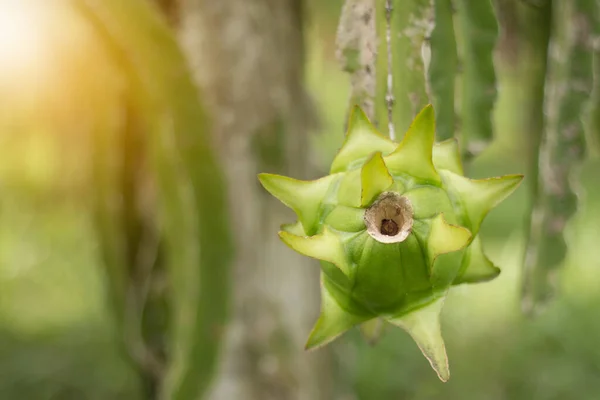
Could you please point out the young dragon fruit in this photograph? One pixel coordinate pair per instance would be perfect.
(394, 226)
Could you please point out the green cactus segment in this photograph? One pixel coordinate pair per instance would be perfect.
(477, 267)
(410, 25)
(593, 106)
(414, 154)
(393, 232)
(563, 148)
(443, 68)
(478, 34)
(191, 187)
(110, 220)
(446, 155)
(476, 197)
(325, 246)
(304, 197)
(375, 178)
(361, 141)
(593, 131)
(424, 327)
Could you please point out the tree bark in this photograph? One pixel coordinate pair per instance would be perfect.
(248, 59)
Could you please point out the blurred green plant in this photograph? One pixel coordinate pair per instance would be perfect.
(562, 149)
(163, 147)
(477, 41)
(443, 68)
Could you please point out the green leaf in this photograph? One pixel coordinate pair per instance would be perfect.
(362, 140)
(326, 246)
(375, 179)
(413, 156)
(446, 155)
(304, 197)
(477, 197)
(424, 327)
(332, 322)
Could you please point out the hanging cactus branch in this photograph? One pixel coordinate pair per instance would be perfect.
(395, 226)
(593, 108)
(389, 97)
(356, 51)
(409, 23)
(442, 68)
(478, 34)
(571, 80)
(191, 193)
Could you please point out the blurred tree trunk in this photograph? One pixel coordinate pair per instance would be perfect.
(248, 60)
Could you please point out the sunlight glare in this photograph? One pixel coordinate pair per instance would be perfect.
(22, 39)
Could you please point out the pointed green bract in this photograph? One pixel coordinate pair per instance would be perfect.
(375, 178)
(361, 141)
(445, 238)
(478, 267)
(413, 155)
(428, 201)
(326, 246)
(332, 322)
(349, 191)
(372, 330)
(304, 197)
(446, 155)
(478, 196)
(424, 327)
(346, 219)
(295, 228)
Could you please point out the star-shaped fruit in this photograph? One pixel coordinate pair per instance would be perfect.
(395, 226)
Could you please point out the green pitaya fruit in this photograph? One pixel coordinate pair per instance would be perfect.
(394, 226)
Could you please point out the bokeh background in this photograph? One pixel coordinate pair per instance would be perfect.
(272, 84)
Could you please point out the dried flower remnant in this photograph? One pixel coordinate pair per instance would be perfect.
(389, 219)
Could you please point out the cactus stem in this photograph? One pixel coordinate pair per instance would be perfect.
(356, 46)
(389, 98)
(390, 218)
(562, 151)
